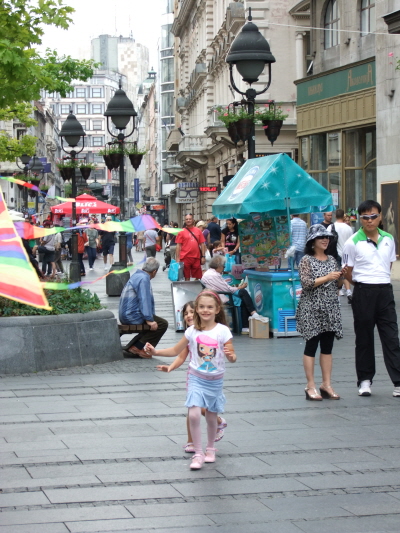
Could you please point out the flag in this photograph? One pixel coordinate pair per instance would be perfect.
(18, 279)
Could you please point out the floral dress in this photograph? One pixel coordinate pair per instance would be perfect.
(318, 309)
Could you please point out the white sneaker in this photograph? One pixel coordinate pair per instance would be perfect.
(342, 292)
(365, 388)
(245, 331)
(396, 392)
(90, 268)
(106, 267)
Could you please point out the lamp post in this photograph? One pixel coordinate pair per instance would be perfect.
(250, 52)
(29, 164)
(120, 109)
(72, 132)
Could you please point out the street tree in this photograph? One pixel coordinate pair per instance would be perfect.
(24, 71)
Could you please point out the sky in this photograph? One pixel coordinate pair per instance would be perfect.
(114, 17)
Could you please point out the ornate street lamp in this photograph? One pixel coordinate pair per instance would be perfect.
(72, 131)
(250, 52)
(120, 109)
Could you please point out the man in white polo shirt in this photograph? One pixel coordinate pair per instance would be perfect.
(369, 255)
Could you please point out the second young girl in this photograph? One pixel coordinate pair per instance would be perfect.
(209, 342)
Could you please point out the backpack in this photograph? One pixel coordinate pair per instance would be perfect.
(333, 241)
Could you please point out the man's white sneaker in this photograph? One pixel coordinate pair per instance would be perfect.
(245, 331)
(342, 292)
(106, 267)
(396, 392)
(365, 388)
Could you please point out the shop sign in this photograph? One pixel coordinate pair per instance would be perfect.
(188, 185)
(348, 80)
(186, 196)
(157, 207)
(187, 200)
(335, 196)
(208, 189)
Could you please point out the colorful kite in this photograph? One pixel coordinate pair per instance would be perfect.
(18, 279)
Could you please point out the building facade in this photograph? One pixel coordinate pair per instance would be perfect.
(337, 104)
(201, 151)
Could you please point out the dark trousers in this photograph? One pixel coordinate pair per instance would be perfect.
(153, 337)
(92, 254)
(374, 305)
(151, 251)
(82, 266)
(246, 308)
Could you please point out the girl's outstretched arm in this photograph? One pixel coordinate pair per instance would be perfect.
(167, 352)
(177, 362)
(229, 352)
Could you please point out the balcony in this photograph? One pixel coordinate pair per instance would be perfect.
(197, 76)
(193, 150)
(172, 142)
(173, 167)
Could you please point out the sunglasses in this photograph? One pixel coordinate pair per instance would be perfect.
(369, 217)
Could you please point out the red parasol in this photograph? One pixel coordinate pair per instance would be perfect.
(85, 204)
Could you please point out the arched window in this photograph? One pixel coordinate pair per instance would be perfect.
(367, 16)
(332, 24)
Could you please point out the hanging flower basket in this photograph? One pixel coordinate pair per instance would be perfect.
(244, 128)
(116, 159)
(135, 160)
(67, 173)
(233, 133)
(85, 172)
(272, 129)
(32, 193)
(107, 161)
(35, 181)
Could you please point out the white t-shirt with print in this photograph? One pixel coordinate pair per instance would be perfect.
(206, 350)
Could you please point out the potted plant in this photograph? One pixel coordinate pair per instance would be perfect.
(271, 117)
(86, 169)
(238, 122)
(112, 155)
(44, 188)
(20, 176)
(67, 168)
(135, 154)
(35, 178)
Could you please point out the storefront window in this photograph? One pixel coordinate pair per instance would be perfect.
(318, 152)
(370, 181)
(354, 188)
(353, 148)
(304, 153)
(334, 149)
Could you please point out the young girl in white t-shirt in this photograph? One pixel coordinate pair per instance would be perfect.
(209, 342)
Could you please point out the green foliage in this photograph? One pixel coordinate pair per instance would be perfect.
(23, 71)
(62, 302)
(11, 148)
(269, 112)
(83, 164)
(227, 115)
(132, 149)
(112, 149)
(67, 190)
(68, 163)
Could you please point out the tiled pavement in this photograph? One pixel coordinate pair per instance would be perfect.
(99, 448)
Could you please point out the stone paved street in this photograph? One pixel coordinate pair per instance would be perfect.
(99, 448)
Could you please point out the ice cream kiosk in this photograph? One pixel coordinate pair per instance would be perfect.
(263, 194)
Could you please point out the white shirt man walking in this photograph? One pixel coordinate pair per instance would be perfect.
(369, 254)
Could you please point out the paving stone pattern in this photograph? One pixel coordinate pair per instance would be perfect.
(99, 448)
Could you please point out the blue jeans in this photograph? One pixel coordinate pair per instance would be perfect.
(296, 259)
(92, 254)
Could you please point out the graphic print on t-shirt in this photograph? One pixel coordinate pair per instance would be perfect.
(206, 350)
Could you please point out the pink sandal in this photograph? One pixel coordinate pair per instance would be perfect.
(189, 447)
(197, 462)
(210, 455)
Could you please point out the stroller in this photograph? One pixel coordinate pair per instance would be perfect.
(167, 258)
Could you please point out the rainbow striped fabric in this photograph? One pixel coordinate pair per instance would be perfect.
(18, 279)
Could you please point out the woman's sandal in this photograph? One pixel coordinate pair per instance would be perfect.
(329, 395)
(315, 397)
(189, 447)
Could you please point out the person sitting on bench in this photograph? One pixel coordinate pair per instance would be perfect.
(136, 306)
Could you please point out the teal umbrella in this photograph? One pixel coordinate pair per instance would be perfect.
(275, 185)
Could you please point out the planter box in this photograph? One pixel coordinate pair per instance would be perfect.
(37, 343)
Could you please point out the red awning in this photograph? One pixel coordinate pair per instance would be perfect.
(85, 204)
